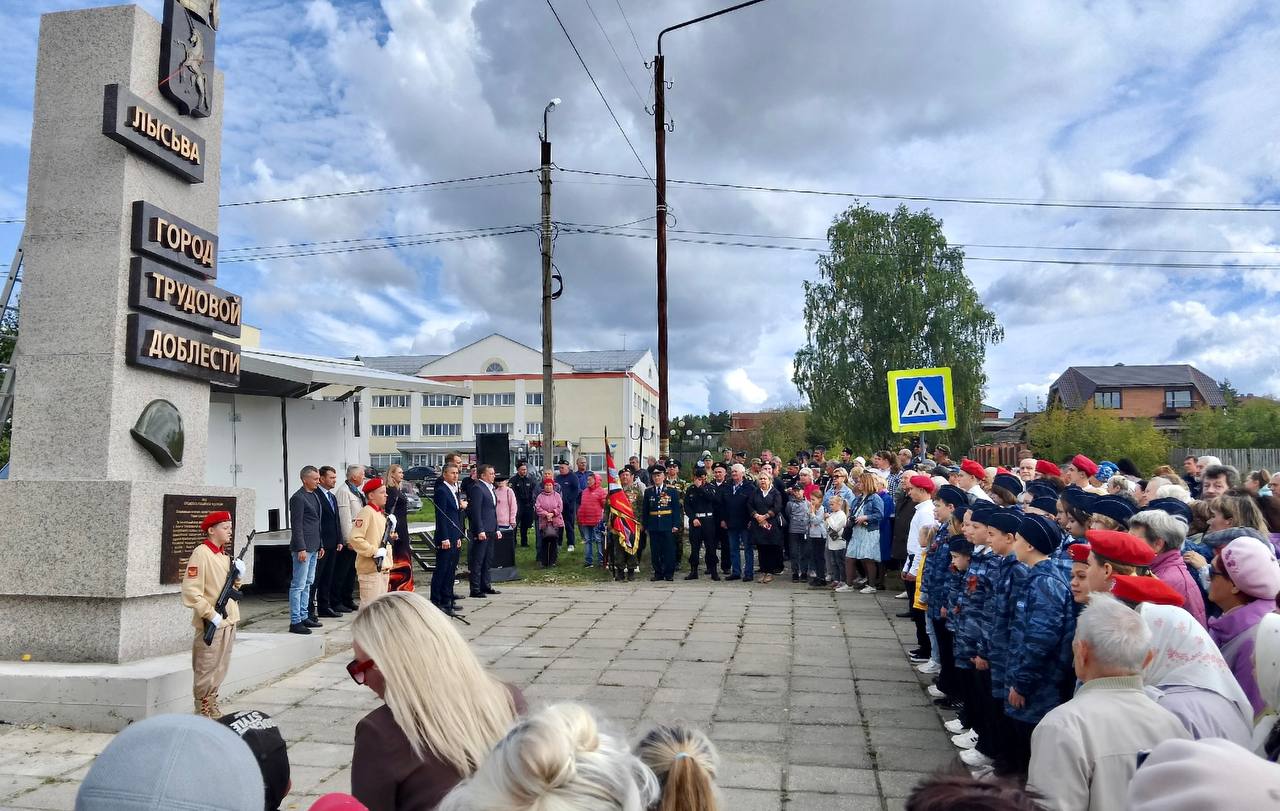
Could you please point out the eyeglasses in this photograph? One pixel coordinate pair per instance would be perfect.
(358, 668)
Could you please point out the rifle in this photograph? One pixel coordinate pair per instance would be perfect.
(228, 592)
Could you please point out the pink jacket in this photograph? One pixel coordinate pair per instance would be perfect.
(1172, 569)
(591, 507)
(549, 504)
(506, 504)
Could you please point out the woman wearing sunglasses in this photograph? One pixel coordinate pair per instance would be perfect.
(442, 713)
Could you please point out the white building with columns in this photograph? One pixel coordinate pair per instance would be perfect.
(596, 392)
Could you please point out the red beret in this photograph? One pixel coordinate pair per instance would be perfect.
(546, 479)
(371, 485)
(973, 468)
(1085, 464)
(1004, 470)
(1079, 552)
(1134, 588)
(214, 518)
(923, 482)
(1046, 468)
(1120, 547)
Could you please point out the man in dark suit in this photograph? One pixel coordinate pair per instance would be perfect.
(330, 539)
(482, 524)
(450, 505)
(305, 548)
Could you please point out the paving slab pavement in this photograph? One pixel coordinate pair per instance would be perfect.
(808, 694)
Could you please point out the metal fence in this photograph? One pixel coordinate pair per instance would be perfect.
(1242, 459)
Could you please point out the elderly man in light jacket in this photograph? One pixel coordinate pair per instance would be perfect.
(1085, 752)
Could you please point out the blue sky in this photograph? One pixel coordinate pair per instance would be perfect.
(1171, 102)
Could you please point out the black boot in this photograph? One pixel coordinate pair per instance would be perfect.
(693, 575)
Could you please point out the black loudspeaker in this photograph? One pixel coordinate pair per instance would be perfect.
(494, 449)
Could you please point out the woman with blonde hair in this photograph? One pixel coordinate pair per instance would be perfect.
(557, 759)
(685, 761)
(863, 551)
(442, 714)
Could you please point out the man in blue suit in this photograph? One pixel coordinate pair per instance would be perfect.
(450, 505)
(330, 540)
(482, 524)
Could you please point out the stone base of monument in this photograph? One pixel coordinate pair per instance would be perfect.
(109, 697)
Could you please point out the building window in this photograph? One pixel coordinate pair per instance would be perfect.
(441, 400)
(493, 427)
(635, 402)
(533, 398)
(442, 429)
(382, 461)
(595, 461)
(1177, 398)
(1106, 399)
(390, 401)
(390, 430)
(533, 428)
(494, 367)
(503, 398)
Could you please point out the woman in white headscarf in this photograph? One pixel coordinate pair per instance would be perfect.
(1266, 663)
(1192, 679)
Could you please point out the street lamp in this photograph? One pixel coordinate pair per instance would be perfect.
(642, 436)
(660, 187)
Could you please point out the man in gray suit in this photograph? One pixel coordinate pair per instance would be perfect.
(305, 513)
(482, 523)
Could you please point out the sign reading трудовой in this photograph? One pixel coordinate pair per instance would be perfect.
(168, 279)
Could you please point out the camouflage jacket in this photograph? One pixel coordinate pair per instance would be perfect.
(1040, 633)
(1007, 575)
(969, 608)
(936, 566)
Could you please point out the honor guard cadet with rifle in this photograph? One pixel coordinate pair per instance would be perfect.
(661, 515)
(700, 506)
(208, 573)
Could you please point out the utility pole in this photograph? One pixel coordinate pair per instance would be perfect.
(548, 383)
(660, 187)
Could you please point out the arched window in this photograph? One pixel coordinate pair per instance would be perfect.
(494, 367)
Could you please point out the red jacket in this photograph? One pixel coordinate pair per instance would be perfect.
(591, 507)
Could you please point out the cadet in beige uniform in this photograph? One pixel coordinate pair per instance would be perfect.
(206, 573)
(369, 540)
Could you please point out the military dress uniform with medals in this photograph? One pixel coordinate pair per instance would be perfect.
(662, 519)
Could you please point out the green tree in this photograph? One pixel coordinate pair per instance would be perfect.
(891, 294)
(1059, 434)
(783, 431)
(1250, 424)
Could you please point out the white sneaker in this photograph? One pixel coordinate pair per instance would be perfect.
(861, 581)
(867, 590)
(955, 727)
(930, 667)
(901, 596)
(935, 692)
(975, 759)
(966, 740)
(570, 547)
(842, 588)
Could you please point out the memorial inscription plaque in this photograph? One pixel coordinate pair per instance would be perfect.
(180, 531)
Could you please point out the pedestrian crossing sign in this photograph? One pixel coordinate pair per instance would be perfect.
(921, 400)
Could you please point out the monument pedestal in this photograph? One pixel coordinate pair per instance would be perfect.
(107, 697)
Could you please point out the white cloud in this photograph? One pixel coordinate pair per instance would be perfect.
(738, 382)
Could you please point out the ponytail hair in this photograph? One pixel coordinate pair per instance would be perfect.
(685, 762)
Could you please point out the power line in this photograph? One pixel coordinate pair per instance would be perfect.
(378, 189)
(401, 189)
(600, 92)
(639, 52)
(354, 240)
(992, 201)
(362, 248)
(951, 244)
(1009, 259)
(621, 66)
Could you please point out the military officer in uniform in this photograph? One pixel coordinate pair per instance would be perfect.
(674, 480)
(700, 501)
(662, 519)
(206, 573)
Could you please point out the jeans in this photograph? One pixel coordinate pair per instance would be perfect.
(936, 658)
(570, 521)
(592, 538)
(799, 545)
(739, 541)
(304, 573)
(835, 565)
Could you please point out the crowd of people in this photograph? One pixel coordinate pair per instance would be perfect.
(1105, 641)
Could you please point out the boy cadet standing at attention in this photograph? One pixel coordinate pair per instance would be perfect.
(202, 582)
